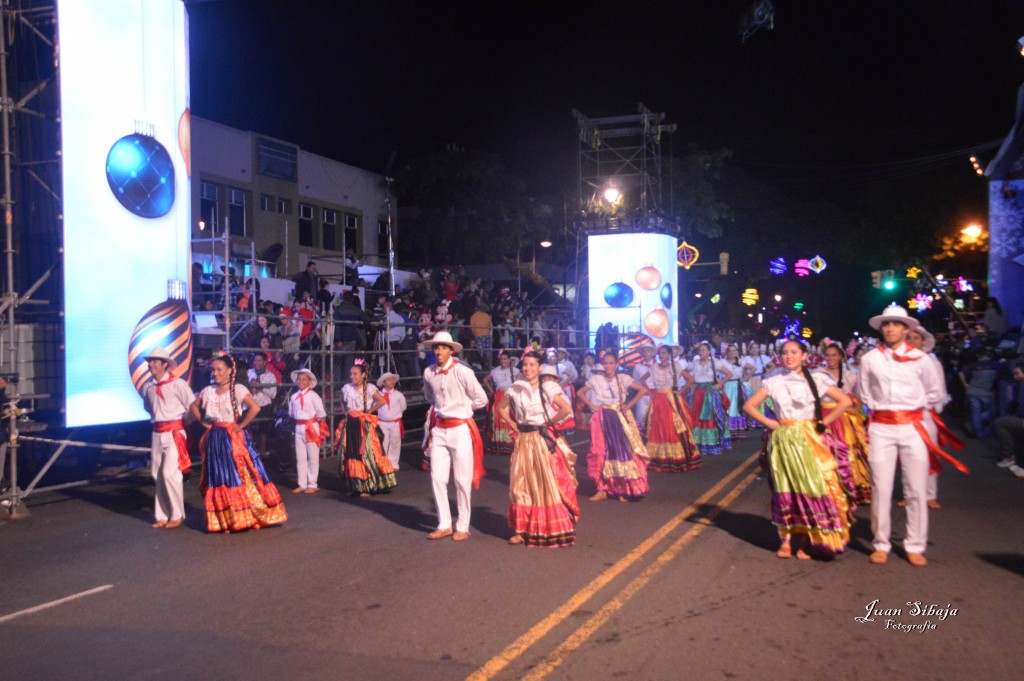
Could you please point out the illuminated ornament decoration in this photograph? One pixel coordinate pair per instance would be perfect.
(631, 344)
(817, 264)
(666, 295)
(963, 286)
(777, 266)
(648, 277)
(806, 333)
(167, 325)
(688, 255)
(923, 301)
(802, 268)
(958, 303)
(140, 173)
(750, 297)
(618, 294)
(715, 298)
(656, 323)
(798, 306)
(792, 329)
(912, 304)
(774, 332)
(913, 272)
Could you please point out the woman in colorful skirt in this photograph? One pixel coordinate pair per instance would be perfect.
(237, 493)
(808, 498)
(736, 392)
(543, 510)
(364, 466)
(670, 443)
(498, 435)
(617, 461)
(587, 369)
(849, 431)
(710, 419)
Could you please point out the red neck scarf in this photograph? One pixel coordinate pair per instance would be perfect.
(897, 356)
(442, 372)
(160, 384)
(298, 396)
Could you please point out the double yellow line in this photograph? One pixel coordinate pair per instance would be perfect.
(497, 663)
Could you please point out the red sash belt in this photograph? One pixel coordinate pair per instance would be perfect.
(916, 418)
(177, 429)
(478, 444)
(314, 430)
(401, 425)
(946, 436)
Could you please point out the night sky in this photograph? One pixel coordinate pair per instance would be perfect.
(835, 84)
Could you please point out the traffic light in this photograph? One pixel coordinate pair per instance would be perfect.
(876, 279)
(888, 280)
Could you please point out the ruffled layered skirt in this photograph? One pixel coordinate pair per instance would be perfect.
(543, 508)
(808, 496)
(737, 393)
(237, 494)
(363, 465)
(670, 443)
(617, 461)
(498, 435)
(850, 431)
(711, 423)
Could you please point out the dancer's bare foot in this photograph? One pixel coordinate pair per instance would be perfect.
(801, 553)
(624, 500)
(515, 539)
(785, 551)
(298, 490)
(158, 524)
(600, 496)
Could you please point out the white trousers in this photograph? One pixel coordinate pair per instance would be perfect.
(169, 500)
(451, 449)
(392, 443)
(888, 444)
(307, 460)
(932, 486)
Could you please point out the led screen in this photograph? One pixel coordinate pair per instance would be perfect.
(126, 205)
(633, 286)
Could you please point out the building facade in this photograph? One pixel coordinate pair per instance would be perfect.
(290, 204)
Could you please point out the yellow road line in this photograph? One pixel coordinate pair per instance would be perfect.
(580, 636)
(541, 629)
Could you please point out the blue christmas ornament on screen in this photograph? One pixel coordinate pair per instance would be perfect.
(141, 175)
(618, 294)
(666, 295)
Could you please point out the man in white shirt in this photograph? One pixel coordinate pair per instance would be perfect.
(263, 386)
(897, 384)
(167, 398)
(453, 392)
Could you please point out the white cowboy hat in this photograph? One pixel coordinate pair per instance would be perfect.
(929, 339)
(386, 376)
(161, 353)
(893, 313)
(312, 377)
(548, 370)
(443, 338)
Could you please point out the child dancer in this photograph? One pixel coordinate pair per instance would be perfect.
(390, 417)
(307, 409)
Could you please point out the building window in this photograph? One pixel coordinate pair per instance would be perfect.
(284, 206)
(266, 201)
(382, 238)
(305, 225)
(236, 212)
(274, 159)
(208, 205)
(352, 232)
(330, 230)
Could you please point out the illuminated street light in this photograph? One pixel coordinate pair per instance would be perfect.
(971, 233)
(612, 195)
(545, 244)
(778, 298)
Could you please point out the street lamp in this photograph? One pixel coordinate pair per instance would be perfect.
(971, 233)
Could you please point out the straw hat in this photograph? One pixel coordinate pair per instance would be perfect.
(386, 376)
(929, 339)
(894, 313)
(312, 377)
(443, 338)
(161, 353)
(548, 370)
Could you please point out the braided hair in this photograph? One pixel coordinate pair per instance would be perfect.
(818, 423)
(839, 349)
(365, 383)
(229, 362)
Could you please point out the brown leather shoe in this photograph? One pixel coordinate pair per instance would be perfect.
(879, 557)
(916, 559)
(460, 536)
(440, 534)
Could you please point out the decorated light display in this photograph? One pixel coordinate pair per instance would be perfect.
(688, 255)
(913, 272)
(798, 305)
(167, 325)
(666, 295)
(750, 297)
(657, 323)
(818, 264)
(777, 266)
(963, 286)
(618, 294)
(922, 301)
(806, 333)
(648, 277)
(802, 267)
(715, 298)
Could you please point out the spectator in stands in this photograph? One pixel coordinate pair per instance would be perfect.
(306, 281)
(995, 318)
(480, 326)
(324, 298)
(349, 319)
(979, 379)
(396, 330)
(352, 264)
(1010, 429)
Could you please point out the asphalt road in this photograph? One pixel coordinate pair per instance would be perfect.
(684, 584)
